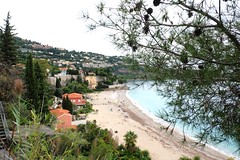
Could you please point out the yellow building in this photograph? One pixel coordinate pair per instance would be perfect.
(92, 80)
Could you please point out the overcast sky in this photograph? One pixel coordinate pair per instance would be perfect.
(57, 23)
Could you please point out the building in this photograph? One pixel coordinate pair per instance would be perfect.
(92, 80)
(63, 71)
(75, 98)
(64, 118)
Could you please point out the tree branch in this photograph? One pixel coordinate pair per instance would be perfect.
(219, 24)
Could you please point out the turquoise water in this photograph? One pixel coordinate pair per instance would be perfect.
(150, 102)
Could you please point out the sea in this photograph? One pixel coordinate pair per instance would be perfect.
(145, 96)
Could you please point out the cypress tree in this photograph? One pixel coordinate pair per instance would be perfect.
(64, 103)
(58, 92)
(30, 81)
(40, 88)
(58, 83)
(70, 105)
(36, 86)
(67, 104)
(79, 79)
(72, 79)
(8, 47)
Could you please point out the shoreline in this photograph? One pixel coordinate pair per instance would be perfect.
(163, 123)
(119, 114)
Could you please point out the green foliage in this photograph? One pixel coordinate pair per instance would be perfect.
(87, 142)
(40, 86)
(74, 86)
(192, 54)
(187, 158)
(101, 86)
(130, 141)
(72, 72)
(102, 150)
(35, 144)
(130, 150)
(38, 91)
(87, 108)
(54, 70)
(67, 104)
(8, 48)
(79, 79)
(30, 80)
(122, 80)
(70, 143)
(58, 83)
(58, 92)
(44, 65)
(19, 113)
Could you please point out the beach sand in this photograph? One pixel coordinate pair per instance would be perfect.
(118, 114)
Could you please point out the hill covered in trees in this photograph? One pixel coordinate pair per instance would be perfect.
(61, 57)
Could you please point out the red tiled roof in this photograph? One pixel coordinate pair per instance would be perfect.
(63, 122)
(62, 69)
(59, 112)
(82, 102)
(72, 95)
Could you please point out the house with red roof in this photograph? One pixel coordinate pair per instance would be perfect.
(64, 118)
(63, 71)
(75, 98)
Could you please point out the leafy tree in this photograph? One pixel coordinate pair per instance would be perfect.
(44, 65)
(192, 50)
(74, 86)
(86, 108)
(9, 52)
(54, 70)
(101, 86)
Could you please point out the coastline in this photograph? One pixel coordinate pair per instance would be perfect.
(178, 131)
(119, 114)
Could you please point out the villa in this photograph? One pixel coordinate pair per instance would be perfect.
(75, 98)
(64, 118)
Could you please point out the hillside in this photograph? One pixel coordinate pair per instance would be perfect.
(61, 57)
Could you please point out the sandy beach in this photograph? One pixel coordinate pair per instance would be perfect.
(117, 113)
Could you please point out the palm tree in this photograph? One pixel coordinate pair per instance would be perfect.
(130, 140)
